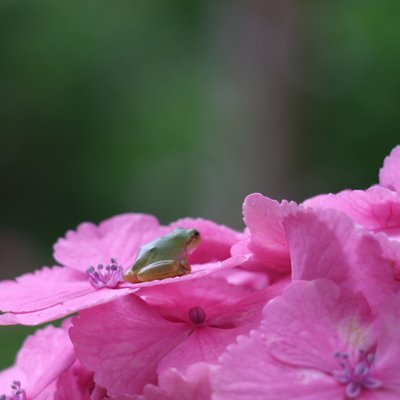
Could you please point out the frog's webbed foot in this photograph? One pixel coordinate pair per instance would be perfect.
(131, 277)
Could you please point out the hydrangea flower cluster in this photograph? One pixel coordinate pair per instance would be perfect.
(303, 304)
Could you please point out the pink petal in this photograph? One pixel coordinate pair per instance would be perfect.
(124, 351)
(313, 320)
(263, 218)
(49, 294)
(248, 372)
(326, 244)
(389, 175)
(376, 269)
(8, 376)
(322, 244)
(173, 385)
(214, 295)
(224, 322)
(41, 289)
(118, 237)
(252, 280)
(377, 208)
(76, 383)
(204, 344)
(216, 240)
(44, 356)
(53, 293)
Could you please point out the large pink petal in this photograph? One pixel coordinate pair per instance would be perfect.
(216, 240)
(49, 294)
(389, 175)
(42, 289)
(248, 372)
(118, 237)
(123, 342)
(377, 208)
(263, 217)
(53, 293)
(313, 320)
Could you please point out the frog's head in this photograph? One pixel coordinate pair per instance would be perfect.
(185, 239)
(193, 239)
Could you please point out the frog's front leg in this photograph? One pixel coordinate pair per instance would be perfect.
(157, 270)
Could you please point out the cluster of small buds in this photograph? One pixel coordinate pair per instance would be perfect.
(356, 376)
(16, 394)
(106, 276)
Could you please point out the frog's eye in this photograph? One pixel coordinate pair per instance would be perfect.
(196, 235)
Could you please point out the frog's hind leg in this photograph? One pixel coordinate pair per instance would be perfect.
(161, 270)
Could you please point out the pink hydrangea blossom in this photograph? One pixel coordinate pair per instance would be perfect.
(174, 326)
(316, 341)
(53, 293)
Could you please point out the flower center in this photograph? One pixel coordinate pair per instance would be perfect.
(356, 375)
(197, 315)
(16, 394)
(105, 276)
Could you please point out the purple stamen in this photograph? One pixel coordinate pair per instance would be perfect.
(356, 376)
(197, 315)
(108, 276)
(16, 394)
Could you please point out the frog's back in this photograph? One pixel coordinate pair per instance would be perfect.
(162, 249)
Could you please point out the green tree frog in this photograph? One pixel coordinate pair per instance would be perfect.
(165, 257)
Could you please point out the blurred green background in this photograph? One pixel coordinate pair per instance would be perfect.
(182, 108)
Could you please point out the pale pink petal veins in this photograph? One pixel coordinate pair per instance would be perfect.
(204, 343)
(389, 175)
(124, 351)
(118, 237)
(41, 289)
(263, 217)
(248, 372)
(377, 208)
